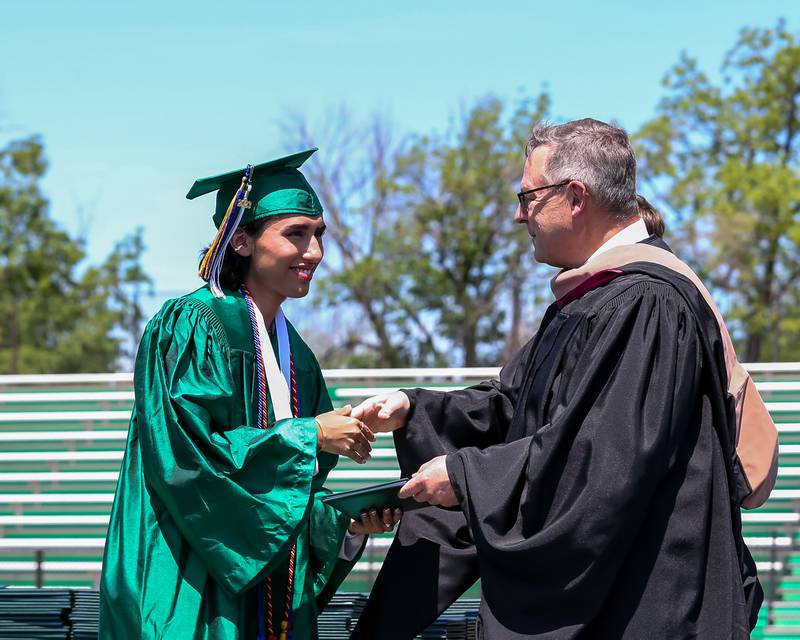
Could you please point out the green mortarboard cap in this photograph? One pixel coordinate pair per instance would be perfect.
(278, 188)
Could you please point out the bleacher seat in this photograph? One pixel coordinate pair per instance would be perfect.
(62, 439)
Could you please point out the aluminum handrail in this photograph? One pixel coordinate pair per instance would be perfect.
(339, 374)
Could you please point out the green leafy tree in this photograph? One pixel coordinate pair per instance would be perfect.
(470, 264)
(429, 267)
(724, 161)
(57, 318)
(361, 280)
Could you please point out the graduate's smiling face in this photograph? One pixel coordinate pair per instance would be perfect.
(549, 214)
(283, 256)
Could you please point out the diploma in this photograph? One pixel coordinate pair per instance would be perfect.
(376, 496)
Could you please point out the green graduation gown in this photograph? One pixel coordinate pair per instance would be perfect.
(207, 504)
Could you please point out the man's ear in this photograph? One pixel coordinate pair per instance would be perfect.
(242, 243)
(577, 196)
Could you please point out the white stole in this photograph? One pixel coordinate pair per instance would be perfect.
(278, 378)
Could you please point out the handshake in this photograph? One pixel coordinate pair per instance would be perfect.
(350, 430)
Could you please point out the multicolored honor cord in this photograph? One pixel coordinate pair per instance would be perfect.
(212, 262)
(266, 627)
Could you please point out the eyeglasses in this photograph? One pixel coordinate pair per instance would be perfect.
(524, 200)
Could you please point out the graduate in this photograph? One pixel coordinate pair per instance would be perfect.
(218, 530)
(595, 488)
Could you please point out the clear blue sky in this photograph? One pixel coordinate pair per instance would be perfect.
(134, 99)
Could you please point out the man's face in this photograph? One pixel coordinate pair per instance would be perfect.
(548, 215)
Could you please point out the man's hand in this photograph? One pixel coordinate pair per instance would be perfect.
(385, 412)
(373, 522)
(430, 483)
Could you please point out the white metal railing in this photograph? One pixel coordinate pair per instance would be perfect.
(33, 544)
(328, 374)
(40, 436)
(56, 498)
(66, 396)
(102, 520)
(777, 495)
(88, 434)
(453, 373)
(104, 456)
(358, 392)
(772, 367)
(65, 416)
(111, 476)
(66, 378)
(120, 435)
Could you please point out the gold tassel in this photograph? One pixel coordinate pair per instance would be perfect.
(208, 259)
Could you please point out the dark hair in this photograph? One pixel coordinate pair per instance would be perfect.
(652, 218)
(235, 267)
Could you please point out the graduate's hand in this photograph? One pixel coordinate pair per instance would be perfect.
(344, 435)
(385, 412)
(431, 483)
(374, 522)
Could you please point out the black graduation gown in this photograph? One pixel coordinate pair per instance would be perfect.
(597, 479)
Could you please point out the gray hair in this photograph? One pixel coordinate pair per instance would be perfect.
(598, 154)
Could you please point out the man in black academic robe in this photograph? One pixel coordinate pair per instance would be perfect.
(594, 488)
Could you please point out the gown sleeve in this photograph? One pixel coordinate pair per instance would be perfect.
(553, 514)
(327, 526)
(441, 422)
(237, 493)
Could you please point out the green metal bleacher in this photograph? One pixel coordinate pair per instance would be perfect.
(62, 439)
